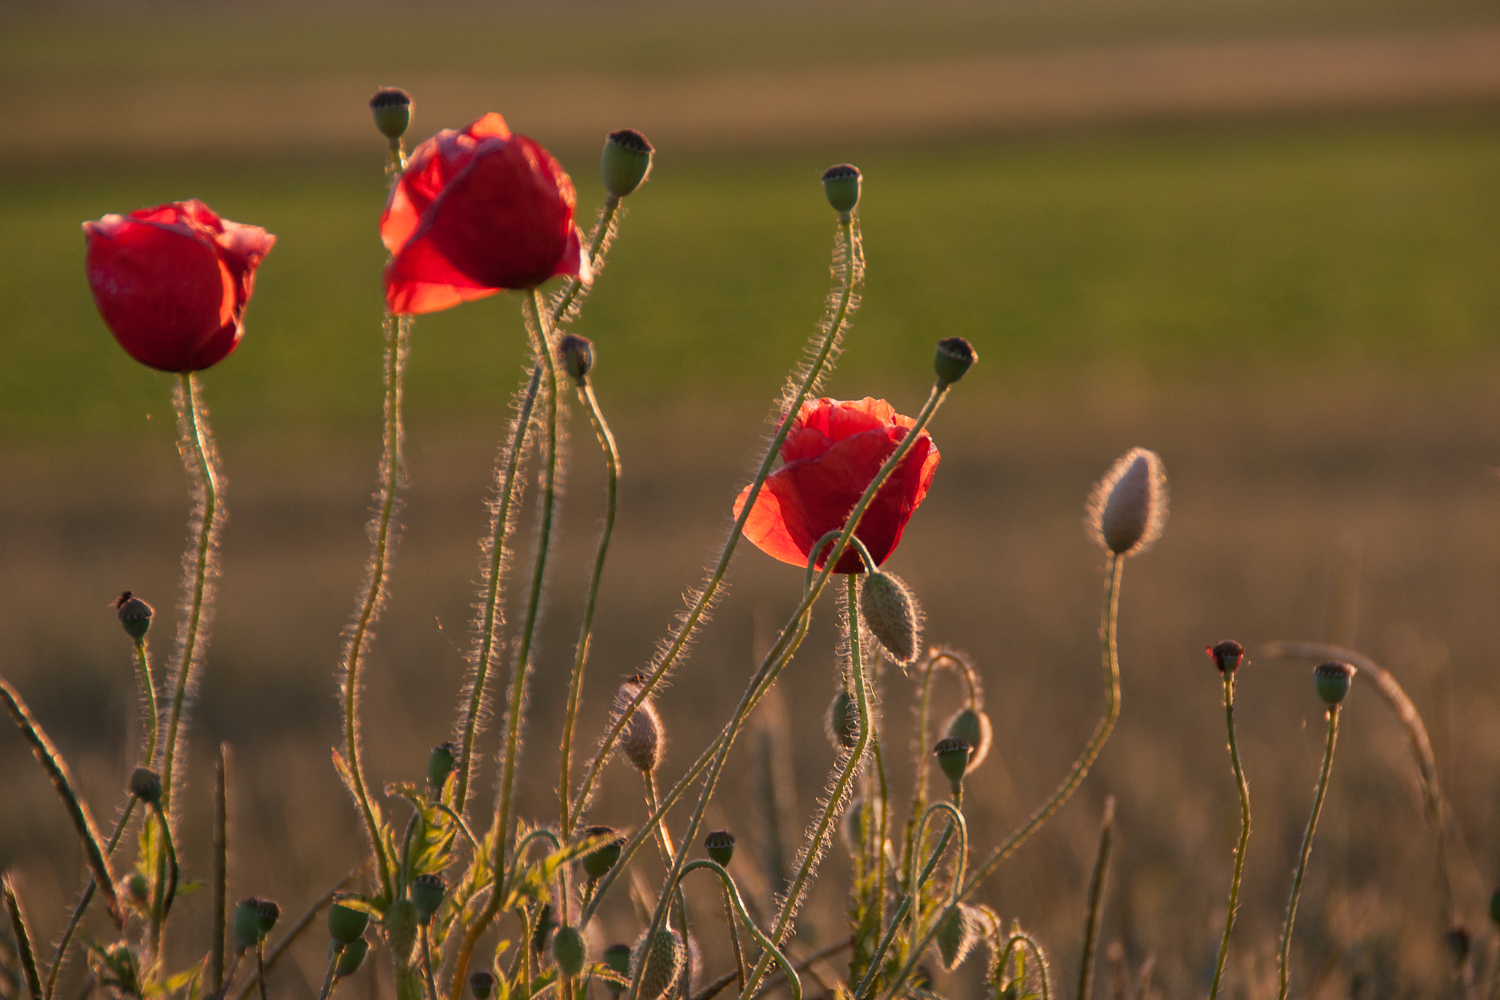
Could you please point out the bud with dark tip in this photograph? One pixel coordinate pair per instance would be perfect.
(267, 912)
(245, 923)
(972, 725)
(841, 184)
(955, 356)
(577, 355)
(346, 923)
(1332, 679)
(440, 764)
(841, 722)
(482, 984)
(720, 847)
(641, 739)
(625, 162)
(1227, 655)
(391, 107)
(145, 784)
(1128, 507)
(598, 862)
(352, 957)
(570, 951)
(427, 892)
(892, 615)
(660, 963)
(135, 615)
(953, 757)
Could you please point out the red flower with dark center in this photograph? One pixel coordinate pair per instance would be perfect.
(172, 282)
(833, 451)
(477, 212)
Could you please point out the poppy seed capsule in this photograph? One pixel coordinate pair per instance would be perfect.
(345, 923)
(427, 892)
(482, 984)
(245, 923)
(1227, 655)
(641, 739)
(841, 183)
(577, 355)
(625, 162)
(720, 847)
(841, 722)
(598, 862)
(972, 725)
(135, 615)
(955, 356)
(953, 757)
(353, 957)
(658, 965)
(892, 615)
(145, 784)
(1128, 507)
(1332, 680)
(391, 107)
(440, 764)
(267, 913)
(570, 951)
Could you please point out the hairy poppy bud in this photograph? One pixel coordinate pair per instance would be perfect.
(841, 722)
(641, 739)
(427, 892)
(625, 162)
(577, 354)
(135, 615)
(1227, 655)
(482, 983)
(1332, 679)
(955, 356)
(892, 615)
(956, 935)
(145, 784)
(545, 924)
(267, 913)
(841, 184)
(972, 725)
(720, 847)
(953, 757)
(661, 961)
(1128, 507)
(245, 923)
(441, 763)
(617, 958)
(570, 951)
(353, 957)
(345, 923)
(598, 862)
(391, 107)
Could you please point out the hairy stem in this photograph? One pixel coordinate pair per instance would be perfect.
(1307, 842)
(1096, 902)
(1239, 851)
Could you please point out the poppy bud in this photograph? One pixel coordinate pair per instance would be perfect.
(135, 615)
(570, 951)
(145, 784)
(1128, 507)
(625, 162)
(841, 184)
(267, 913)
(1332, 679)
(482, 983)
(972, 725)
(720, 847)
(892, 615)
(427, 892)
(955, 355)
(598, 862)
(953, 757)
(1227, 655)
(577, 354)
(245, 923)
(956, 935)
(617, 958)
(841, 722)
(391, 107)
(345, 923)
(641, 739)
(137, 887)
(441, 763)
(662, 961)
(545, 923)
(353, 957)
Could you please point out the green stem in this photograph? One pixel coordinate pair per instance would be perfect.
(335, 953)
(432, 993)
(1239, 851)
(601, 231)
(148, 691)
(84, 899)
(1096, 902)
(771, 951)
(1307, 842)
(260, 966)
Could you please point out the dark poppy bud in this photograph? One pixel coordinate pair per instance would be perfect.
(641, 739)
(841, 721)
(577, 354)
(1332, 679)
(720, 847)
(245, 923)
(135, 615)
(1227, 655)
(598, 862)
(570, 951)
(267, 912)
(1128, 507)
(345, 923)
(545, 923)
(953, 757)
(353, 957)
(625, 162)
(892, 615)
(391, 107)
(660, 963)
(441, 763)
(841, 184)
(137, 886)
(145, 784)
(955, 356)
(972, 725)
(427, 892)
(482, 984)
(617, 959)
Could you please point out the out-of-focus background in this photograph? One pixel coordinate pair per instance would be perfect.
(1260, 237)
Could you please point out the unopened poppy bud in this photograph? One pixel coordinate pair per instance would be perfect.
(345, 923)
(641, 739)
(972, 725)
(135, 615)
(391, 107)
(956, 935)
(892, 615)
(953, 757)
(1128, 507)
(658, 964)
(137, 886)
(720, 847)
(577, 354)
(955, 356)
(841, 722)
(598, 862)
(267, 912)
(145, 784)
(1227, 655)
(625, 162)
(245, 923)
(841, 184)
(482, 984)
(545, 923)
(353, 957)
(617, 958)
(1332, 679)
(570, 951)
(441, 763)
(427, 892)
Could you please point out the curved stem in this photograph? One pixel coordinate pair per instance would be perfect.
(1239, 851)
(921, 747)
(1307, 842)
(732, 897)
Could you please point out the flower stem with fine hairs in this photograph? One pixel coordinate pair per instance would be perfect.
(1239, 851)
(1307, 841)
(83, 902)
(148, 693)
(598, 246)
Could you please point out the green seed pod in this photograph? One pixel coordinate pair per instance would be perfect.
(440, 764)
(545, 923)
(720, 847)
(841, 722)
(427, 892)
(577, 355)
(353, 957)
(641, 739)
(617, 958)
(953, 757)
(267, 913)
(1332, 680)
(137, 887)
(1128, 507)
(662, 962)
(482, 984)
(1227, 655)
(955, 356)
(135, 615)
(625, 162)
(245, 923)
(841, 183)
(892, 615)
(598, 862)
(972, 725)
(145, 784)
(956, 935)
(570, 951)
(345, 923)
(391, 107)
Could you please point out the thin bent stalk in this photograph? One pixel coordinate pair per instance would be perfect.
(1096, 902)
(1307, 842)
(1239, 851)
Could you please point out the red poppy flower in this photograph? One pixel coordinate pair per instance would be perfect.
(834, 449)
(477, 212)
(172, 282)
